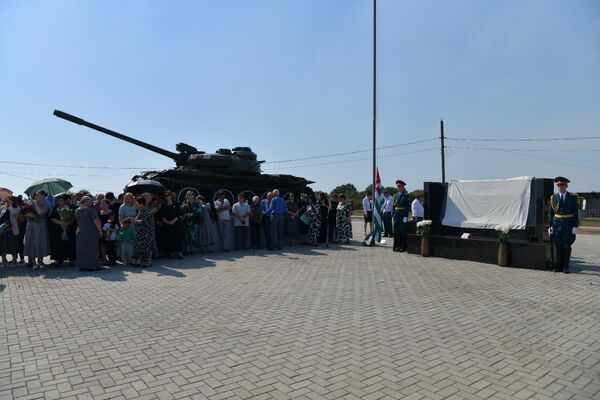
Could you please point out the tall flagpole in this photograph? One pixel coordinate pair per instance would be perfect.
(374, 115)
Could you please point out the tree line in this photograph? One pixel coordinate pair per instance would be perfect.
(356, 196)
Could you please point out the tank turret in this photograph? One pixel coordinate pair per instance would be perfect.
(240, 161)
(234, 170)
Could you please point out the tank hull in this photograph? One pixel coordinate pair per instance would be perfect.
(209, 183)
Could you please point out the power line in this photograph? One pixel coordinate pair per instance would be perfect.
(62, 174)
(73, 166)
(350, 152)
(268, 162)
(532, 150)
(17, 176)
(552, 160)
(526, 139)
(351, 161)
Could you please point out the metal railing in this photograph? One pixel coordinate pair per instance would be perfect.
(591, 213)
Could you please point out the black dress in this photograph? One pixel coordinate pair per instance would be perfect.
(302, 226)
(171, 235)
(331, 219)
(324, 214)
(59, 248)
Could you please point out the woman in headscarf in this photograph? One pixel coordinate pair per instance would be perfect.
(313, 213)
(343, 219)
(144, 247)
(89, 231)
(37, 245)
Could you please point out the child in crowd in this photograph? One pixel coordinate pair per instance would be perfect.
(111, 233)
(125, 239)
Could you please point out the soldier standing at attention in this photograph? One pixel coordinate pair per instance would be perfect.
(401, 207)
(564, 220)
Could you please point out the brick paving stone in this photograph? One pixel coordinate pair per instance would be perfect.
(347, 322)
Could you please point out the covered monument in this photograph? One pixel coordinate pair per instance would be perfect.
(464, 216)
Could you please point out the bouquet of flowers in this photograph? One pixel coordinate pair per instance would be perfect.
(66, 214)
(424, 227)
(503, 232)
(29, 212)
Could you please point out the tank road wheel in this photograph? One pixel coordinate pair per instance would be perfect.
(228, 196)
(181, 193)
(286, 196)
(248, 195)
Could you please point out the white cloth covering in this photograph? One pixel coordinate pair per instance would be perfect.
(487, 203)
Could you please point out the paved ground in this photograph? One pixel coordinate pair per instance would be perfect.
(352, 323)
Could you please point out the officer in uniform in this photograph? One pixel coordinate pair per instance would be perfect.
(564, 220)
(401, 207)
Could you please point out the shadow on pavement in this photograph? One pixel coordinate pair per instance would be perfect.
(116, 273)
(580, 266)
(172, 267)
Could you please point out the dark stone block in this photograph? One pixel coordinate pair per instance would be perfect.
(521, 254)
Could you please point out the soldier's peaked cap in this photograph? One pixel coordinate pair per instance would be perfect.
(400, 182)
(561, 179)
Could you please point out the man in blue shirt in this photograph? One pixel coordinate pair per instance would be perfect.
(277, 211)
(265, 204)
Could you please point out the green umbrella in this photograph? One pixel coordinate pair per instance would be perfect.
(51, 186)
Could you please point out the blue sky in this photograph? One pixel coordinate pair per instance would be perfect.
(292, 79)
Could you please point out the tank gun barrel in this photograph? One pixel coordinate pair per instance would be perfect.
(80, 121)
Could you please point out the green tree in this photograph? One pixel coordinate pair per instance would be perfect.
(348, 189)
(414, 194)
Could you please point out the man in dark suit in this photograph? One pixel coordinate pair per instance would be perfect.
(564, 221)
(401, 208)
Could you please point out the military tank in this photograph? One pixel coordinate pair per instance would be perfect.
(232, 171)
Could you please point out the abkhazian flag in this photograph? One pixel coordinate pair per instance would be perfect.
(378, 200)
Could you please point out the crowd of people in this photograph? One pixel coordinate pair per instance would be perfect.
(91, 231)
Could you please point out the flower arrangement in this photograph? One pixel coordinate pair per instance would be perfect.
(424, 227)
(28, 211)
(66, 215)
(503, 232)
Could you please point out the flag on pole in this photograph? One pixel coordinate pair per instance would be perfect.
(378, 200)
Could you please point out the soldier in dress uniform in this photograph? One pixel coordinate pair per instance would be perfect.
(564, 220)
(401, 207)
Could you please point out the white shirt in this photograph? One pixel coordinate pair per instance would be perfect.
(243, 210)
(367, 205)
(417, 209)
(388, 205)
(223, 215)
(113, 232)
(563, 196)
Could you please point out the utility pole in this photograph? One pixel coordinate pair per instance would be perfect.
(443, 151)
